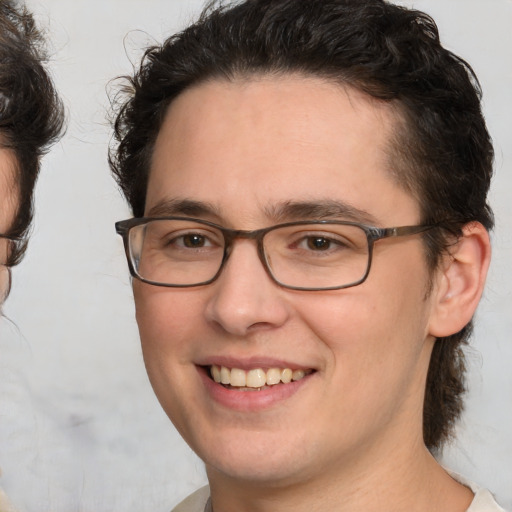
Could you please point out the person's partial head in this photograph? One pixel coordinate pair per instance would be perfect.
(31, 118)
(437, 149)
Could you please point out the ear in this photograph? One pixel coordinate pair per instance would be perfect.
(460, 281)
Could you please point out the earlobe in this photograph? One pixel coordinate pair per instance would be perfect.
(461, 281)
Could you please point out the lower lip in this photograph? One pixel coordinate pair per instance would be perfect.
(250, 400)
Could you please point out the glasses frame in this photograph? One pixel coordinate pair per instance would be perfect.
(373, 234)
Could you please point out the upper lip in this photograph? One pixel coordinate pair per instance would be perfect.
(250, 363)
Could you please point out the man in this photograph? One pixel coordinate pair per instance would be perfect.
(31, 119)
(310, 243)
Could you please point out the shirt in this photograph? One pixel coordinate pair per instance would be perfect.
(483, 501)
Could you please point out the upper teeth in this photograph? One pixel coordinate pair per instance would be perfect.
(255, 378)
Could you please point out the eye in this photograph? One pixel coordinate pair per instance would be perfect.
(318, 243)
(192, 241)
(178, 235)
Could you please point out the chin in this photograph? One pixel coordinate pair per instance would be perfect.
(255, 471)
(255, 460)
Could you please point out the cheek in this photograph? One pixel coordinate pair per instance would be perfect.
(373, 332)
(168, 321)
(377, 356)
(165, 317)
(170, 327)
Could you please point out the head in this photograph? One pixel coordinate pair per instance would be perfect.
(437, 151)
(31, 118)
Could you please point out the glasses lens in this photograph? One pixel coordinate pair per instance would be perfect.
(317, 255)
(176, 252)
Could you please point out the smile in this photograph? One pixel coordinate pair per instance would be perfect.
(255, 379)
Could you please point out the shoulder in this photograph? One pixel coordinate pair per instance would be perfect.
(484, 502)
(195, 502)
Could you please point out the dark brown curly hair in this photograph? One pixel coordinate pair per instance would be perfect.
(441, 152)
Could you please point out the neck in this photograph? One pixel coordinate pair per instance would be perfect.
(400, 480)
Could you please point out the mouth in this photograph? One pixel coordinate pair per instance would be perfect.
(256, 379)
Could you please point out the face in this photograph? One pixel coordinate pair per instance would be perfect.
(8, 200)
(238, 154)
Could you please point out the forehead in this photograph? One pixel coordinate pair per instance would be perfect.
(263, 141)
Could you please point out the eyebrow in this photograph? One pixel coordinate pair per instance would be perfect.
(181, 206)
(319, 210)
(283, 212)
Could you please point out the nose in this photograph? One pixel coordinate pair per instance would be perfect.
(244, 298)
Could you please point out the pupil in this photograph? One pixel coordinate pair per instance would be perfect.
(318, 243)
(193, 241)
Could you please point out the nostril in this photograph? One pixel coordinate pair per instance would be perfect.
(244, 299)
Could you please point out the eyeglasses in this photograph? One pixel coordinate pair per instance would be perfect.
(305, 255)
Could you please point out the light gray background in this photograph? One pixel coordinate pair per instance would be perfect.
(80, 429)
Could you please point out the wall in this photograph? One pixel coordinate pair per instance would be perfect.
(80, 428)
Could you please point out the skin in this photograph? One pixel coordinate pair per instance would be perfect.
(350, 436)
(8, 204)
